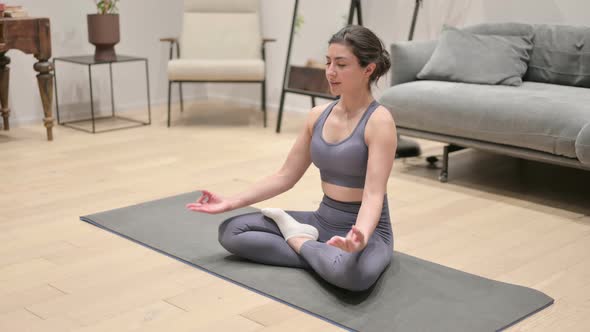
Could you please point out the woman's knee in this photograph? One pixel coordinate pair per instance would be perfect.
(352, 278)
(227, 232)
(231, 228)
(358, 275)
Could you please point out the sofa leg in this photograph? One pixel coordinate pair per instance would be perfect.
(444, 173)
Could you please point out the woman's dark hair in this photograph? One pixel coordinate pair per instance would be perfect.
(366, 46)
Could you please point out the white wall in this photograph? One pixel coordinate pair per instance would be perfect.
(143, 22)
(434, 13)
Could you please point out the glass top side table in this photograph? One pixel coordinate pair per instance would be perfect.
(89, 61)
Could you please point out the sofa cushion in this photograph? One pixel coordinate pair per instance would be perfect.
(502, 29)
(560, 55)
(215, 70)
(408, 58)
(583, 145)
(462, 56)
(542, 117)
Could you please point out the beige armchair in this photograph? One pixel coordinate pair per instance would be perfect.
(220, 42)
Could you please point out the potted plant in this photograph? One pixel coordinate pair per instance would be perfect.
(103, 29)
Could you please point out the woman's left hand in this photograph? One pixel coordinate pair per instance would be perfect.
(353, 242)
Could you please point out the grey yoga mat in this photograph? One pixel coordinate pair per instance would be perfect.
(411, 295)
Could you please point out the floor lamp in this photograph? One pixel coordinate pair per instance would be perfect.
(355, 8)
(406, 147)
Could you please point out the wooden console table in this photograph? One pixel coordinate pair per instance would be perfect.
(31, 36)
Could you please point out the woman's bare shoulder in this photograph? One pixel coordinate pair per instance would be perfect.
(317, 110)
(380, 123)
(314, 114)
(381, 117)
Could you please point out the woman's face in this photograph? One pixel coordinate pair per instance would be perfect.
(343, 71)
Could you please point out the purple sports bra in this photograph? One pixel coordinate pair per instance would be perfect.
(343, 163)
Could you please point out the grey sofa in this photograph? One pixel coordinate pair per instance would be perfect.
(547, 118)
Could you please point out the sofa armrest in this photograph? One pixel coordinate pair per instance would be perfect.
(583, 145)
(408, 58)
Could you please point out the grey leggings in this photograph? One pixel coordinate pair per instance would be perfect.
(257, 238)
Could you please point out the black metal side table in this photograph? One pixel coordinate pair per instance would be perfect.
(89, 61)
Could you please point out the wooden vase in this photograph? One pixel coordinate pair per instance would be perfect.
(103, 33)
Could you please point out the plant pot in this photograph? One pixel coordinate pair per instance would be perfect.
(103, 33)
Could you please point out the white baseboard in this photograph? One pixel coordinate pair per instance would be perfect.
(121, 108)
(103, 109)
(271, 106)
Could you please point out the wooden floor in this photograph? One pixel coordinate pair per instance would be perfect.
(514, 221)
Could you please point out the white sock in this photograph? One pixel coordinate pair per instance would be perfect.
(290, 227)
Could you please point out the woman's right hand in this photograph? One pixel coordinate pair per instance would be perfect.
(210, 203)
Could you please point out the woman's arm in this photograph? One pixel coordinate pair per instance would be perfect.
(381, 138)
(288, 175)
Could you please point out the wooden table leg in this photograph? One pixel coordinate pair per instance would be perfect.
(45, 81)
(4, 79)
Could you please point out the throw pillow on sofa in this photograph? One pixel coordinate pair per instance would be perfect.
(462, 56)
(561, 55)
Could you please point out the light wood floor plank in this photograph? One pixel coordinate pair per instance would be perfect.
(24, 321)
(514, 221)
